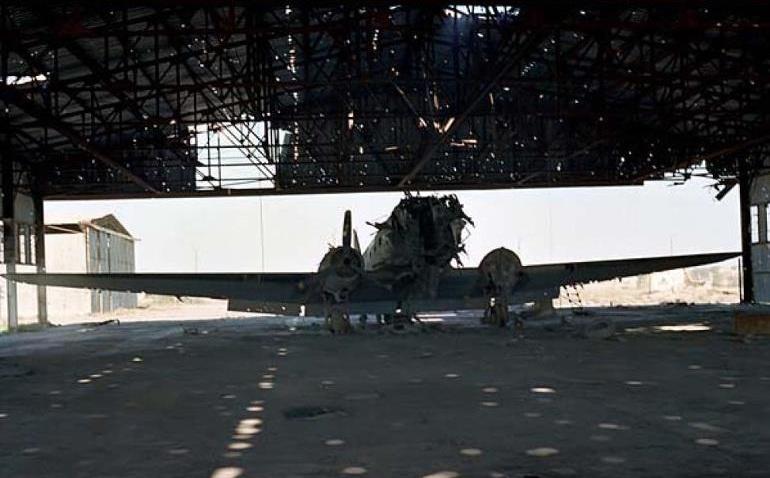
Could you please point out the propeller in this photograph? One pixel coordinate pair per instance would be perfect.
(347, 231)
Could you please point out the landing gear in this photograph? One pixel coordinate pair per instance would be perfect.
(399, 320)
(338, 321)
(496, 313)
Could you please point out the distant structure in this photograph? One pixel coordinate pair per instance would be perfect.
(100, 244)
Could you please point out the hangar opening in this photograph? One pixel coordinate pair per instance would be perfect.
(428, 101)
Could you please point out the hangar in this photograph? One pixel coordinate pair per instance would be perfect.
(164, 99)
(227, 98)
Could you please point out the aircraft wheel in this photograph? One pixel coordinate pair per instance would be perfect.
(338, 322)
(498, 315)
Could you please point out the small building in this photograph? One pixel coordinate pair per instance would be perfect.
(98, 245)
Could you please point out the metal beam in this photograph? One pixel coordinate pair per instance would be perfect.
(726, 151)
(508, 64)
(746, 246)
(10, 95)
(39, 231)
(9, 231)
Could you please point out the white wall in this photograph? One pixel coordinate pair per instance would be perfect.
(64, 253)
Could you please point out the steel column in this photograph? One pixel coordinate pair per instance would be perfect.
(9, 233)
(745, 206)
(42, 299)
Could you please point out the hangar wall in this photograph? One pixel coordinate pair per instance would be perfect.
(760, 237)
(95, 245)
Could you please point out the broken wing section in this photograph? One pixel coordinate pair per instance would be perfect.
(277, 287)
(556, 275)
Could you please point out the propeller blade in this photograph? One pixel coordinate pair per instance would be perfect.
(347, 229)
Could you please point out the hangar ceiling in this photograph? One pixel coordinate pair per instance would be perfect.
(103, 99)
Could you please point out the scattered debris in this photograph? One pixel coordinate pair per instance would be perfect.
(363, 396)
(195, 331)
(599, 330)
(13, 370)
(311, 412)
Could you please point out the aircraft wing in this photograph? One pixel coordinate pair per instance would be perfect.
(271, 287)
(461, 288)
(286, 293)
(571, 273)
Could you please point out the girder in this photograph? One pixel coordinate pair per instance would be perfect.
(209, 97)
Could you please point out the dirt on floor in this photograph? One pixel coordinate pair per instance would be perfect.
(255, 398)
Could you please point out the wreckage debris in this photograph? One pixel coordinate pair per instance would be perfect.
(598, 330)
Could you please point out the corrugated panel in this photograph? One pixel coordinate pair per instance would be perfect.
(109, 253)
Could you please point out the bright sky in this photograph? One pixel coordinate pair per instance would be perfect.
(541, 225)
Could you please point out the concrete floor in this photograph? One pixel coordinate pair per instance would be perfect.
(251, 398)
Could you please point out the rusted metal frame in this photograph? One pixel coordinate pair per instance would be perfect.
(508, 63)
(87, 193)
(194, 76)
(265, 30)
(180, 58)
(36, 66)
(301, 124)
(171, 59)
(235, 73)
(717, 102)
(417, 42)
(155, 83)
(380, 115)
(250, 67)
(598, 64)
(103, 75)
(727, 151)
(32, 148)
(672, 120)
(491, 142)
(221, 53)
(191, 53)
(747, 6)
(666, 114)
(329, 77)
(622, 62)
(33, 109)
(707, 82)
(584, 45)
(744, 205)
(343, 153)
(370, 135)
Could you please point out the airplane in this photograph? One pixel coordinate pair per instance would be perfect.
(407, 268)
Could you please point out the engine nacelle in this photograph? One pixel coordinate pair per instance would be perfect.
(340, 272)
(500, 271)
